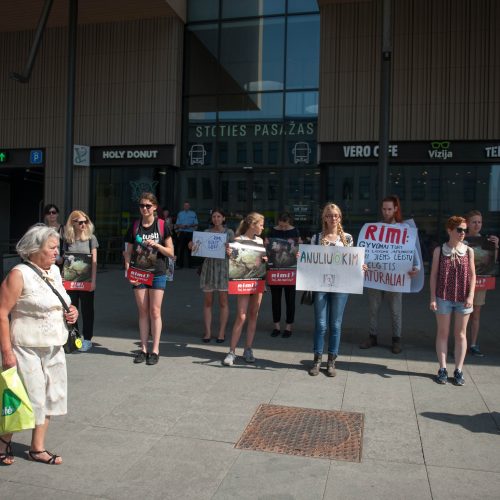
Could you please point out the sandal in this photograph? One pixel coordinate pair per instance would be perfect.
(7, 454)
(50, 461)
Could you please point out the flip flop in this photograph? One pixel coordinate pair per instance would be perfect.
(50, 461)
(7, 454)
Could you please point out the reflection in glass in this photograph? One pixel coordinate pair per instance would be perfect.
(202, 109)
(251, 107)
(201, 65)
(202, 10)
(302, 56)
(302, 6)
(301, 105)
(250, 8)
(252, 55)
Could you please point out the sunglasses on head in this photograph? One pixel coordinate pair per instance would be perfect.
(81, 222)
(460, 230)
(145, 205)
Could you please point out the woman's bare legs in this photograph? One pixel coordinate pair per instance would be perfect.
(142, 301)
(207, 313)
(460, 332)
(443, 330)
(155, 301)
(224, 314)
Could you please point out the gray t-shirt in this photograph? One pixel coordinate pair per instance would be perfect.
(82, 246)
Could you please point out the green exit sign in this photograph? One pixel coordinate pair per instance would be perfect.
(3, 156)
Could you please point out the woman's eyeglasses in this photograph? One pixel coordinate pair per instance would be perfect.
(81, 222)
(332, 216)
(461, 230)
(52, 212)
(144, 205)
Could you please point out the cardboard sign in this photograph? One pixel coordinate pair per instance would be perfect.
(330, 269)
(282, 261)
(77, 271)
(207, 244)
(142, 277)
(485, 282)
(389, 255)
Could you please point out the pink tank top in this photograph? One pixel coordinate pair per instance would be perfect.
(453, 277)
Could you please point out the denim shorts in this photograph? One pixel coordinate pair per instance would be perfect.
(448, 306)
(159, 283)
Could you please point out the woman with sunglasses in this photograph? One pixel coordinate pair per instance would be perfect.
(149, 245)
(79, 239)
(452, 283)
(51, 219)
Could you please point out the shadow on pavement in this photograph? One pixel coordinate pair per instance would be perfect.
(486, 423)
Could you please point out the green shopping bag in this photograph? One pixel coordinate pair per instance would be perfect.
(17, 413)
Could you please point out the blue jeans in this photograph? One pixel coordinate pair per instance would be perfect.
(328, 312)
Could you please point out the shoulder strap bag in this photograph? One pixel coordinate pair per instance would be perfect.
(74, 342)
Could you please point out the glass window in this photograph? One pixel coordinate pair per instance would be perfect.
(202, 109)
(302, 56)
(241, 152)
(206, 188)
(301, 105)
(272, 152)
(302, 6)
(250, 8)
(201, 65)
(364, 187)
(191, 187)
(251, 107)
(257, 153)
(202, 10)
(222, 147)
(252, 55)
(242, 190)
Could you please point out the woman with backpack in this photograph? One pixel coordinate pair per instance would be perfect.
(146, 262)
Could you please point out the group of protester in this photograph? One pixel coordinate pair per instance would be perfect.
(33, 321)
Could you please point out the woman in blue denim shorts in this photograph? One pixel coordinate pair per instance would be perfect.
(452, 283)
(149, 245)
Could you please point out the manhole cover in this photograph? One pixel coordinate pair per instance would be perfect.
(336, 435)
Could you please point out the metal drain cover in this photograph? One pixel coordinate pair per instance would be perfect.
(305, 432)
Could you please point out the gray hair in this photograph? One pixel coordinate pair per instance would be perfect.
(35, 239)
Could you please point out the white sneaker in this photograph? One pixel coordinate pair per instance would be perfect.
(248, 355)
(86, 345)
(229, 359)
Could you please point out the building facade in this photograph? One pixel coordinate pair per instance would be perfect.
(266, 105)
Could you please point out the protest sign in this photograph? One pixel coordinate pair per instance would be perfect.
(247, 269)
(207, 244)
(389, 255)
(484, 260)
(77, 271)
(330, 269)
(282, 263)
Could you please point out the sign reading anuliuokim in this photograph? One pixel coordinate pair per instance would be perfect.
(389, 255)
(330, 269)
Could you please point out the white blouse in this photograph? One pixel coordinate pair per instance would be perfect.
(37, 319)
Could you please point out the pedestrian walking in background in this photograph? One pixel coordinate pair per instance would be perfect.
(32, 335)
(51, 219)
(247, 308)
(285, 231)
(329, 306)
(149, 247)
(79, 239)
(186, 223)
(452, 283)
(391, 214)
(214, 278)
(474, 224)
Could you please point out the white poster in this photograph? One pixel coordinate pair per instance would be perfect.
(330, 269)
(389, 255)
(208, 244)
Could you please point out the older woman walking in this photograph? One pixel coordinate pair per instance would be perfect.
(33, 339)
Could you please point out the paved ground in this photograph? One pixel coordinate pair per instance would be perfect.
(168, 431)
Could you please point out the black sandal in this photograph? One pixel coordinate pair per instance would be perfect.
(7, 453)
(50, 461)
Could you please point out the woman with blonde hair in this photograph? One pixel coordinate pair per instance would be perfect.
(329, 306)
(79, 241)
(452, 284)
(248, 305)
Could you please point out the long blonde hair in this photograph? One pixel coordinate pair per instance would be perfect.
(69, 231)
(329, 207)
(251, 219)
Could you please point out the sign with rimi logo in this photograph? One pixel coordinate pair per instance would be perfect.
(4, 156)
